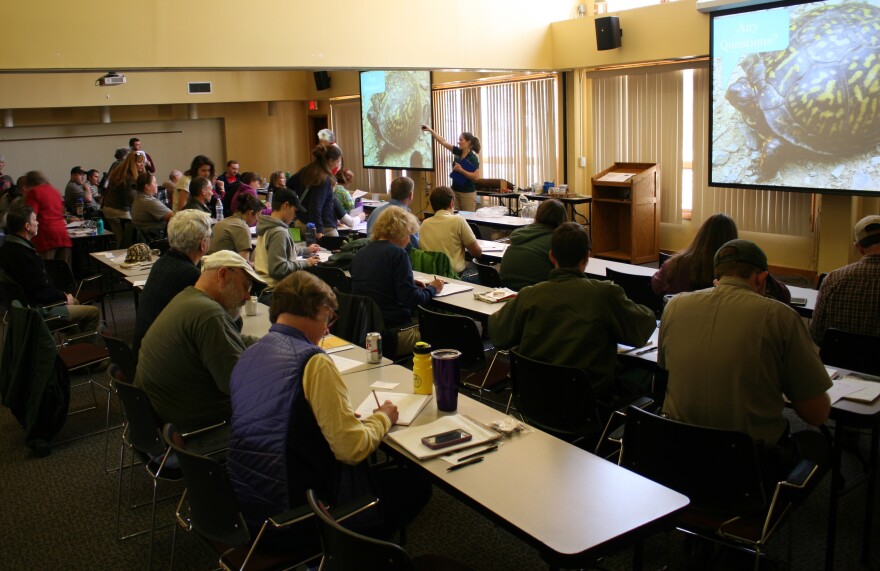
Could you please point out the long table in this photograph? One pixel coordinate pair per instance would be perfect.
(499, 222)
(570, 505)
(113, 258)
(463, 303)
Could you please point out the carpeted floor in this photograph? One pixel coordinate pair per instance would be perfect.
(59, 512)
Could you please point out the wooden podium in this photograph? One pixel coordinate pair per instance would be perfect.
(626, 213)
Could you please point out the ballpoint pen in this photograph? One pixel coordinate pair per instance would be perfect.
(648, 350)
(637, 348)
(476, 460)
(478, 453)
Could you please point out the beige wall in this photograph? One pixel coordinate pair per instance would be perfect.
(344, 34)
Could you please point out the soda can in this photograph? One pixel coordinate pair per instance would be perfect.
(374, 347)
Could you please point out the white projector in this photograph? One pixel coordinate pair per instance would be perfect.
(111, 79)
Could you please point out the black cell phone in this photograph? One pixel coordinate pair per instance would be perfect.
(799, 301)
(445, 439)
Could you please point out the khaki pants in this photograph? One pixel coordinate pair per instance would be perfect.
(466, 201)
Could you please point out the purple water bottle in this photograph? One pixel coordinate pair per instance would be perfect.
(445, 363)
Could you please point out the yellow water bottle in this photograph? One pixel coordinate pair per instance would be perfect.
(423, 374)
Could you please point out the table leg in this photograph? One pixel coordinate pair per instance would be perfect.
(872, 492)
(836, 481)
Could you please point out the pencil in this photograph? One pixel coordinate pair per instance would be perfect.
(377, 398)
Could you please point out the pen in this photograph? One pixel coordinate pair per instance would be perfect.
(476, 460)
(648, 350)
(478, 453)
(636, 348)
(377, 399)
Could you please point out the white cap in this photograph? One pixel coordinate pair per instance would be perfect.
(229, 259)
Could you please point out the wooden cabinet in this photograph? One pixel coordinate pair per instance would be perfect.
(626, 213)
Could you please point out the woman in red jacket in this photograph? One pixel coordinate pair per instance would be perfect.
(53, 241)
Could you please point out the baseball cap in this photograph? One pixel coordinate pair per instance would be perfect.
(78, 170)
(867, 226)
(742, 251)
(287, 195)
(229, 259)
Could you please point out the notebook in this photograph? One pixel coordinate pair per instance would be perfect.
(411, 438)
(408, 405)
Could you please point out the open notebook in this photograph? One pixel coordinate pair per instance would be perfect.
(408, 405)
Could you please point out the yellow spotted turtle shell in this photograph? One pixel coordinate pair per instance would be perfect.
(822, 93)
(396, 113)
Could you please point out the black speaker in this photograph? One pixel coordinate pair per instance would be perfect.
(608, 33)
(322, 80)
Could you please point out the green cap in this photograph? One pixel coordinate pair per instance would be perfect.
(742, 251)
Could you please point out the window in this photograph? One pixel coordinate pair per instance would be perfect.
(659, 114)
(516, 122)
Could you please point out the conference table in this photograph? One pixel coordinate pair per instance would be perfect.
(113, 260)
(569, 504)
(571, 201)
(497, 222)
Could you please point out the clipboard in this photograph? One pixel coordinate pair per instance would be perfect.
(459, 179)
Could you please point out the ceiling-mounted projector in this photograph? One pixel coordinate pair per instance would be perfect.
(110, 79)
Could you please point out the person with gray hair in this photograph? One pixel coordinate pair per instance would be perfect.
(294, 428)
(189, 237)
(382, 271)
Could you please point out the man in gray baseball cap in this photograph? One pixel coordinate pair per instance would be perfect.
(849, 298)
(732, 354)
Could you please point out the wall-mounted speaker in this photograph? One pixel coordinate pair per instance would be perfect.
(322, 80)
(608, 33)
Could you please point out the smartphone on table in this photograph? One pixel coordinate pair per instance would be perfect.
(444, 439)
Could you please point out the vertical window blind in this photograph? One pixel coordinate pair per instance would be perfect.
(637, 116)
(345, 117)
(516, 122)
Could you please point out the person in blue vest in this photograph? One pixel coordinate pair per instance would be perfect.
(293, 427)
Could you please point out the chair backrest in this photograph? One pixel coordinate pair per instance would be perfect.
(638, 289)
(719, 470)
(143, 432)
(334, 277)
(851, 351)
(475, 229)
(358, 315)
(332, 242)
(664, 256)
(121, 355)
(11, 291)
(554, 398)
(131, 234)
(214, 510)
(60, 275)
(448, 331)
(431, 263)
(487, 274)
(345, 549)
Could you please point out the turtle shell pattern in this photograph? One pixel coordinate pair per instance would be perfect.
(396, 113)
(822, 93)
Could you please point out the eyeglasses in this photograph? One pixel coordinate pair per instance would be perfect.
(331, 318)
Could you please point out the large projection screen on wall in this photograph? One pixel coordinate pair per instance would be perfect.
(796, 97)
(394, 106)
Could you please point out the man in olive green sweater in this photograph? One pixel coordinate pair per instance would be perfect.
(571, 320)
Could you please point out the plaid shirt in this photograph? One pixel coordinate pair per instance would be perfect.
(849, 299)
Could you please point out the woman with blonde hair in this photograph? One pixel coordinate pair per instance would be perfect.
(382, 271)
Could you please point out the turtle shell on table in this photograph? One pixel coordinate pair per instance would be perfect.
(822, 93)
(396, 113)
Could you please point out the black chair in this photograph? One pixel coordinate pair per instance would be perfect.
(87, 290)
(556, 399)
(130, 234)
(475, 229)
(664, 257)
(487, 273)
(449, 331)
(345, 549)
(721, 472)
(851, 351)
(142, 436)
(359, 315)
(210, 510)
(332, 243)
(820, 279)
(334, 277)
(122, 368)
(11, 291)
(638, 289)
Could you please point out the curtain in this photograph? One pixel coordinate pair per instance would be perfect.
(638, 117)
(516, 123)
(345, 117)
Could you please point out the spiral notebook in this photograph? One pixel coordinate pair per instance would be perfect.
(408, 405)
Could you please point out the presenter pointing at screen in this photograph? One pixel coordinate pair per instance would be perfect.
(465, 167)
